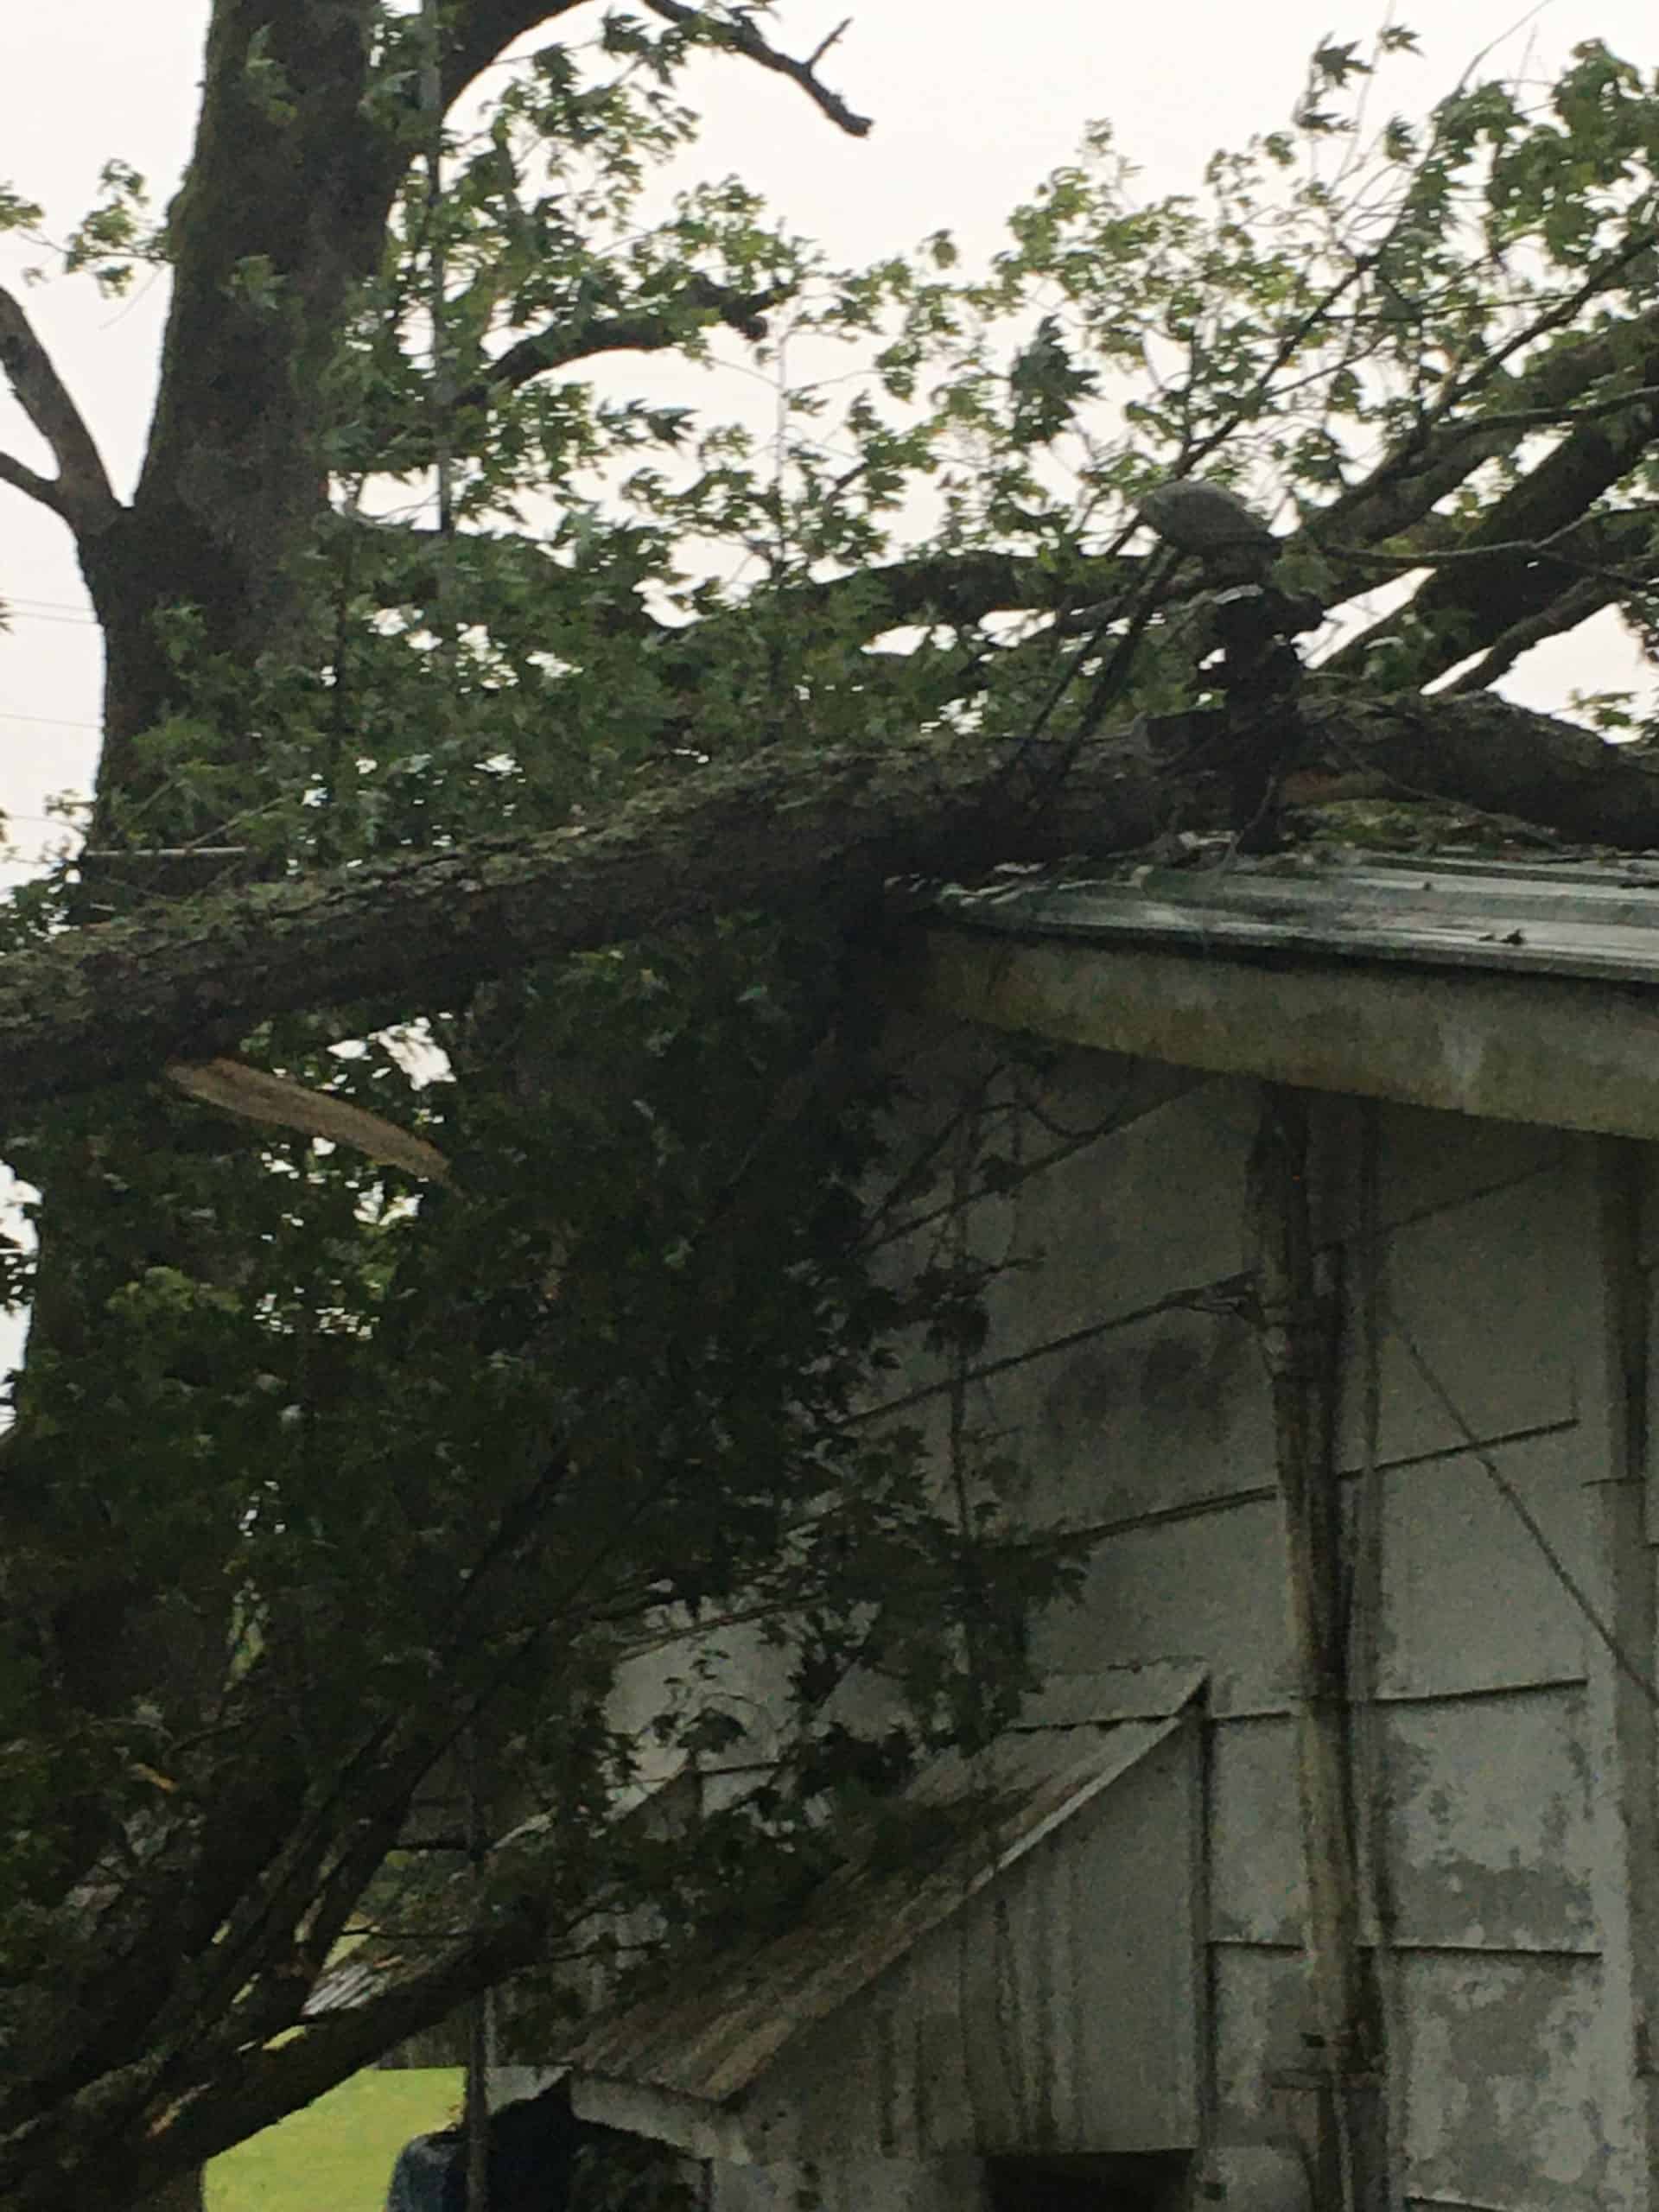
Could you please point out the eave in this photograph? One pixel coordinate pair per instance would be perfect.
(1519, 994)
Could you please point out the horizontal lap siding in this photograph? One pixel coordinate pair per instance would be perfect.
(1469, 1602)
(1487, 1832)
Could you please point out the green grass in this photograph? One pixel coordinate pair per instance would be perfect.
(336, 2156)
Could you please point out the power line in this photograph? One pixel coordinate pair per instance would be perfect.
(47, 722)
(33, 599)
(11, 610)
(1522, 1512)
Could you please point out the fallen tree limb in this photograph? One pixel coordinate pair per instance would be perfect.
(781, 830)
(1483, 752)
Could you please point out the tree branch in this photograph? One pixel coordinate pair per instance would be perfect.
(1421, 469)
(956, 588)
(287, 2074)
(484, 29)
(258, 2087)
(1486, 752)
(1562, 614)
(278, 1101)
(80, 491)
(1482, 592)
(23, 478)
(947, 587)
(739, 32)
(783, 830)
(646, 329)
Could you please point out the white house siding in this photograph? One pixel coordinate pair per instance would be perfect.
(1511, 1760)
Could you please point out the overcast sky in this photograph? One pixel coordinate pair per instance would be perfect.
(974, 101)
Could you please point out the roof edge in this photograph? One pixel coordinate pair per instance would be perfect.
(1555, 1050)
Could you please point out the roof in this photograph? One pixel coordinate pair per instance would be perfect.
(377, 1964)
(1544, 918)
(1516, 990)
(709, 2044)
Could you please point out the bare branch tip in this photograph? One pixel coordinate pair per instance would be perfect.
(741, 35)
(825, 44)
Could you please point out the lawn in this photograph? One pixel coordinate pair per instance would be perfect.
(336, 2156)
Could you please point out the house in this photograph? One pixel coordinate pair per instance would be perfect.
(1322, 1871)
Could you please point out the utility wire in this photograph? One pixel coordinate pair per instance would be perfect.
(11, 611)
(46, 721)
(31, 599)
(1523, 1513)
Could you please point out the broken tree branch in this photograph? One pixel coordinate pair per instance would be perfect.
(1481, 592)
(1445, 450)
(784, 829)
(278, 1101)
(1562, 614)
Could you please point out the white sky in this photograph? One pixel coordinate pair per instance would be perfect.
(974, 101)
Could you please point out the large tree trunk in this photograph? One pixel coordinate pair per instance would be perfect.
(198, 582)
(281, 218)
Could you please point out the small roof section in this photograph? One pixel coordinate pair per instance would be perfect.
(704, 2065)
(1541, 918)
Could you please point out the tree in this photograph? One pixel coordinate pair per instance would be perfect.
(324, 1470)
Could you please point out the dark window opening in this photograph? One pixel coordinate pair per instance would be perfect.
(1141, 2181)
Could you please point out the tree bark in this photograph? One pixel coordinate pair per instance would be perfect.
(281, 218)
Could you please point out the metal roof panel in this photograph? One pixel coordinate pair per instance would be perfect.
(713, 2042)
(1549, 918)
